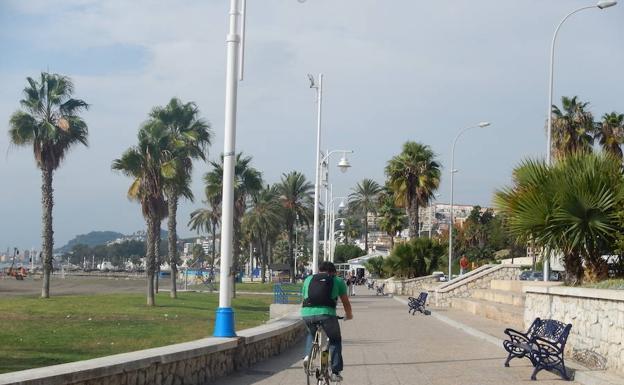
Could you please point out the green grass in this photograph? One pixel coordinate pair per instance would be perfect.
(245, 287)
(37, 332)
(617, 284)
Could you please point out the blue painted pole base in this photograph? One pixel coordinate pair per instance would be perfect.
(224, 323)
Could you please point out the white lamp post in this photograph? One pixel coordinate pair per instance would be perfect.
(599, 5)
(224, 319)
(343, 165)
(453, 171)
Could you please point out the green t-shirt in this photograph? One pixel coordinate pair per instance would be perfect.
(339, 289)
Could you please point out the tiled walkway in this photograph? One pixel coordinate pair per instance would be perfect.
(383, 344)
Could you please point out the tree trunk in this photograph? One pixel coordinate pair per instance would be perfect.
(157, 256)
(291, 259)
(391, 242)
(596, 269)
(150, 260)
(366, 232)
(574, 269)
(173, 243)
(47, 202)
(214, 250)
(412, 214)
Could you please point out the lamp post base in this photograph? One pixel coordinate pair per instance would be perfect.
(224, 323)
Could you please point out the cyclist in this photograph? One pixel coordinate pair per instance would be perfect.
(320, 293)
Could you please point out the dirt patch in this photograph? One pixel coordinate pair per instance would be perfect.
(76, 285)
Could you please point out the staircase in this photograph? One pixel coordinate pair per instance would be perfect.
(502, 302)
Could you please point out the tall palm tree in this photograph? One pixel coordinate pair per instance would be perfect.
(247, 181)
(190, 139)
(207, 219)
(413, 176)
(297, 199)
(572, 128)
(571, 207)
(262, 222)
(392, 218)
(363, 200)
(610, 133)
(151, 165)
(49, 121)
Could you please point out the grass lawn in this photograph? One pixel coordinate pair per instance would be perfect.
(37, 332)
(247, 286)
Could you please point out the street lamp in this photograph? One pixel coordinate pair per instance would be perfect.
(328, 213)
(343, 165)
(599, 5)
(453, 171)
(224, 319)
(332, 244)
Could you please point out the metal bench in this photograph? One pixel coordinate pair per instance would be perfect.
(370, 285)
(418, 304)
(380, 289)
(542, 344)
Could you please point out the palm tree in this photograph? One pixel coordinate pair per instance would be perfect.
(151, 165)
(190, 138)
(570, 207)
(392, 218)
(207, 220)
(572, 128)
(247, 181)
(364, 200)
(49, 121)
(262, 223)
(610, 133)
(296, 197)
(413, 176)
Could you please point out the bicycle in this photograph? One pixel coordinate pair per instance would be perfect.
(318, 364)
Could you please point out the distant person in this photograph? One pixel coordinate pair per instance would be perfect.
(463, 265)
(351, 284)
(320, 294)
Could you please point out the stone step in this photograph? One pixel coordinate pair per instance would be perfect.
(508, 315)
(500, 296)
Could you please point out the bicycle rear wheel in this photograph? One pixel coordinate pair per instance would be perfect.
(313, 361)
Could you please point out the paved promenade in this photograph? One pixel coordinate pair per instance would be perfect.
(385, 345)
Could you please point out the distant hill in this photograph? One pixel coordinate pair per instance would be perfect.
(91, 239)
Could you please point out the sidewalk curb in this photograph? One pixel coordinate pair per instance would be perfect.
(581, 374)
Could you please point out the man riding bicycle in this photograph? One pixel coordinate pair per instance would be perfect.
(320, 293)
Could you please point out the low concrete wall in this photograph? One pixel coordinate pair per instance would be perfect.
(597, 318)
(463, 286)
(191, 363)
(412, 286)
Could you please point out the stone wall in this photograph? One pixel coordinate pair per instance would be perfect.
(597, 318)
(411, 287)
(192, 363)
(478, 279)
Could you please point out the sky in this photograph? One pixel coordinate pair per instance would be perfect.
(393, 71)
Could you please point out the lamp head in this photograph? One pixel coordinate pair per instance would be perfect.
(341, 206)
(342, 224)
(344, 164)
(312, 81)
(484, 124)
(606, 4)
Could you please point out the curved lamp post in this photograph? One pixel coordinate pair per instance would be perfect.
(599, 5)
(453, 171)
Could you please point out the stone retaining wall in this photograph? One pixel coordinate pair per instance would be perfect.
(478, 279)
(191, 363)
(411, 287)
(597, 318)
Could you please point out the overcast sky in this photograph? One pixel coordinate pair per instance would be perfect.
(395, 70)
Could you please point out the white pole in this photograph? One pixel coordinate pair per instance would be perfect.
(326, 209)
(224, 321)
(549, 111)
(317, 182)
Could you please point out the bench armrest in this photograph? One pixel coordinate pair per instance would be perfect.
(516, 335)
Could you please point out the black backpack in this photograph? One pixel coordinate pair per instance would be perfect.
(319, 291)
